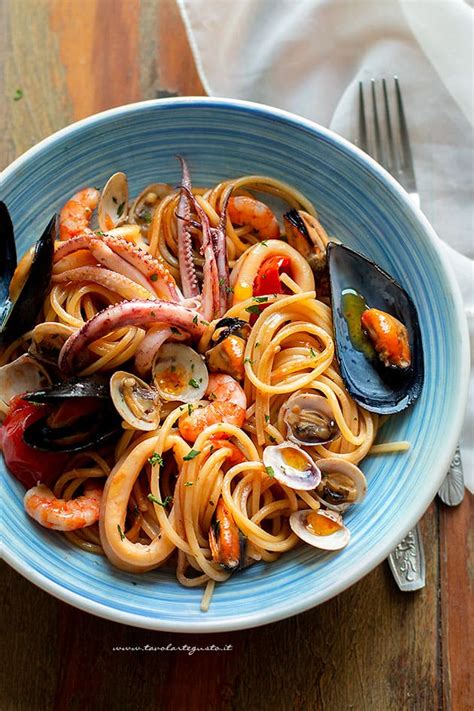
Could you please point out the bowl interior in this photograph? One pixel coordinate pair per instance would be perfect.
(360, 205)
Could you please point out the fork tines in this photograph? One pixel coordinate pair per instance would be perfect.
(383, 137)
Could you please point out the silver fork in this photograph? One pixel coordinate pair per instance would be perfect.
(389, 145)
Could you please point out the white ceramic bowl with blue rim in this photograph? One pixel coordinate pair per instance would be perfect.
(365, 208)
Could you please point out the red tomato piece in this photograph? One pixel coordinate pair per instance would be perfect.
(267, 280)
(27, 464)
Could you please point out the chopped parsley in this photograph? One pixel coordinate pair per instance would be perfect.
(100, 233)
(173, 329)
(190, 409)
(188, 483)
(147, 217)
(270, 471)
(154, 277)
(122, 535)
(204, 323)
(120, 209)
(18, 95)
(257, 344)
(267, 418)
(260, 299)
(193, 383)
(191, 454)
(195, 320)
(155, 459)
(248, 360)
(254, 309)
(168, 500)
(264, 243)
(312, 352)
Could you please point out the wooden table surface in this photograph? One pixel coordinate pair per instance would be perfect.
(373, 647)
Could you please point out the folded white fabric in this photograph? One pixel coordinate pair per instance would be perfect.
(307, 56)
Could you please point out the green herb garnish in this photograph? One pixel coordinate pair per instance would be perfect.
(155, 459)
(188, 483)
(168, 500)
(191, 454)
(193, 383)
(122, 535)
(18, 95)
(270, 471)
(195, 320)
(173, 329)
(120, 209)
(254, 309)
(260, 299)
(154, 277)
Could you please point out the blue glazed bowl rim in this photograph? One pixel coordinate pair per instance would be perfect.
(290, 606)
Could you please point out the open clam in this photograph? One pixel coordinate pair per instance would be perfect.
(20, 376)
(112, 210)
(136, 402)
(357, 284)
(309, 419)
(143, 207)
(179, 373)
(27, 286)
(342, 484)
(321, 529)
(291, 466)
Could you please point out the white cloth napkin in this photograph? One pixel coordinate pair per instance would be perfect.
(307, 56)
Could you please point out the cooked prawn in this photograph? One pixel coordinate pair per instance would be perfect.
(228, 404)
(75, 216)
(244, 210)
(42, 505)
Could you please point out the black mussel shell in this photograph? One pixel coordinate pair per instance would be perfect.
(7, 257)
(94, 386)
(231, 326)
(375, 387)
(86, 433)
(24, 311)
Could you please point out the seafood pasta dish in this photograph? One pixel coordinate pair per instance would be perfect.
(182, 374)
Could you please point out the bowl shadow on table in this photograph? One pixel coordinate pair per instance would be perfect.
(371, 647)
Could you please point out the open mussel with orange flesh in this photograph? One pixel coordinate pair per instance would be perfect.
(378, 337)
(78, 415)
(23, 286)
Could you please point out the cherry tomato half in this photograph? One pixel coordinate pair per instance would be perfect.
(27, 464)
(267, 280)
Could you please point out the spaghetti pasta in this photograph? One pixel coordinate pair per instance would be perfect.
(197, 493)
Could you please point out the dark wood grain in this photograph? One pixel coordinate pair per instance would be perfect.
(372, 648)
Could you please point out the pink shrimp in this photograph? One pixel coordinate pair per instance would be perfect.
(228, 404)
(41, 504)
(76, 214)
(244, 210)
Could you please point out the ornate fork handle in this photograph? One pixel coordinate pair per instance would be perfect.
(407, 562)
(451, 491)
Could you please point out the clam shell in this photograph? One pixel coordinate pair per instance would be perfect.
(138, 213)
(372, 385)
(335, 541)
(296, 470)
(332, 465)
(319, 405)
(145, 401)
(179, 373)
(22, 375)
(112, 210)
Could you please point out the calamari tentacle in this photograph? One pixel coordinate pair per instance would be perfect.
(121, 285)
(108, 258)
(210, 296)
(130, 313)
(218, 235)
(73, 245)
(189, 282)
(157, 277)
